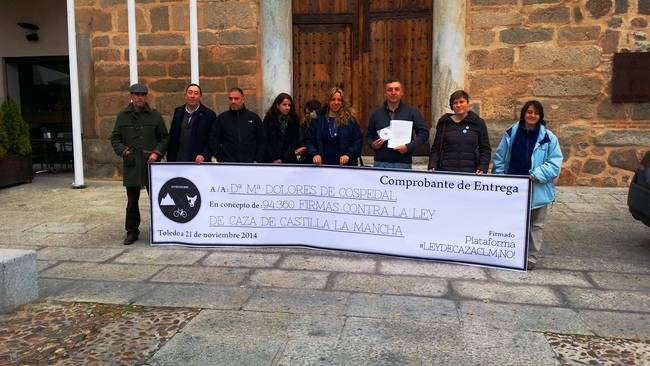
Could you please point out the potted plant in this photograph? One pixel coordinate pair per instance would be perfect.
(15, 147)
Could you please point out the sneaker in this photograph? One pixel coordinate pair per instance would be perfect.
(531, 265)
(130, 239)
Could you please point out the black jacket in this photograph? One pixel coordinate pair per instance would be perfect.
(278, 145)
(303, 137)
(460, 147)
(238, 137)
(380, 118)
(202, 122)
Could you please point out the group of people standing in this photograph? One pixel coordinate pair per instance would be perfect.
(330, 135)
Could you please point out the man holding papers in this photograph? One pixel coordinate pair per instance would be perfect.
(391, 128)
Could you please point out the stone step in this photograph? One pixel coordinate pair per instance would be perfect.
(18, 278)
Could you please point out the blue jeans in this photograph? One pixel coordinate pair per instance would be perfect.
(386, 164)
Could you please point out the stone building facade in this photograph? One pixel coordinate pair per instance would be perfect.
(228, 53)
(557, 51)
(560, 52)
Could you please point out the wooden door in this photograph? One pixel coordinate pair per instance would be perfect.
(322, 59)
(325, 53)
(358, 44)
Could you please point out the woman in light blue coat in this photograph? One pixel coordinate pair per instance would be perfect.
(528, 148)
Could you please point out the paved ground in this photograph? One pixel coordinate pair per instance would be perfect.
(589, 298)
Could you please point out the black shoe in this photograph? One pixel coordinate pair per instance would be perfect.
(531, 265)
(130, 239)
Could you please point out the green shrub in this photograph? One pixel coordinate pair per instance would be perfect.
(16, 129)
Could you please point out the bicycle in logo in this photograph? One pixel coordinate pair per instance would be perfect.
(179, 212)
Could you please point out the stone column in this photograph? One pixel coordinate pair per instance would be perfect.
(86, 85)
(448, 54)
(277, 62)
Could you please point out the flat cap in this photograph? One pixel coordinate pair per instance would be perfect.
(139, 88)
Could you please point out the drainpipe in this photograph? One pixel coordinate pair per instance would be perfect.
(74, 101)
(133, 43)
(194, 44)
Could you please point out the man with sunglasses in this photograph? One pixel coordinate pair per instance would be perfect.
(139, 138)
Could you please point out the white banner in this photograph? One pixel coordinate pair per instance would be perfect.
(472, 219)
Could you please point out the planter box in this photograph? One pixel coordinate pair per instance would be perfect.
(15, 170)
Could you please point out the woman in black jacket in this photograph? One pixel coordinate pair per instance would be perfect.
(282, 131)
(461, 143)
(309, 113)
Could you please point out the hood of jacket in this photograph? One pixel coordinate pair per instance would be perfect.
(542, 136)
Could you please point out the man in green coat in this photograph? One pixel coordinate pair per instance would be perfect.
(139, 137)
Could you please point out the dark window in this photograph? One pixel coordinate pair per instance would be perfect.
(631, 77)
(44, 91)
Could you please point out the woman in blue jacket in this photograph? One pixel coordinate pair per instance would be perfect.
(528, 148)
(335, 137)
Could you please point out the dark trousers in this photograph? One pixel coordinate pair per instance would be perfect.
(132, 222)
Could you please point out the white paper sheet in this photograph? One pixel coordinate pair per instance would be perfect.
(401, 131)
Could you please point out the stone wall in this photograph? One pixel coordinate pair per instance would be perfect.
(229, 51)
(560, 52)
(557, 51)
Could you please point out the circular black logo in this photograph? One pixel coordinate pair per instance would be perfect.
(179, 200)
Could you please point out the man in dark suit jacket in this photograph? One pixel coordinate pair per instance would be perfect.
(189, 133)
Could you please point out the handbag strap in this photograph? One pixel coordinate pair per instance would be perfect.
(442, 141)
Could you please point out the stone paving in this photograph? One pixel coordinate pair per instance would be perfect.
(590, 350)
(287, 306)
(63, 333)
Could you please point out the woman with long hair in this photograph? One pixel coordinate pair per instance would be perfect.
(529, 148)
(282, 131)
(461, 143)
(335, 137)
